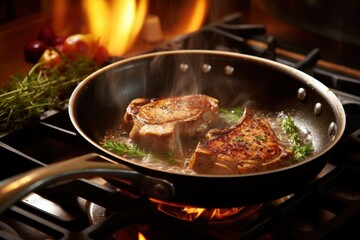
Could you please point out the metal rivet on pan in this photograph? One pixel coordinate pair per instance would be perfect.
(332, 129)
(228, 70)
(301, 94)
(317, 109)
(183, 67)
(206, 68)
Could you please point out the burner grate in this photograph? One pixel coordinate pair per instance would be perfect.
(331, 204)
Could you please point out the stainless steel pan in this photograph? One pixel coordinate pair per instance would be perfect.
(99, 103)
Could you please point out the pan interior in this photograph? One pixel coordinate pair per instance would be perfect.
(100, 102)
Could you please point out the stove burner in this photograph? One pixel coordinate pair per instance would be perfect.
(213, 216)
(164, 221)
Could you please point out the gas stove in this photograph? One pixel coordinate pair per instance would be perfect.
(328, 208)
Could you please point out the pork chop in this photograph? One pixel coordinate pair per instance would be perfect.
(249, 146)
(162, 124)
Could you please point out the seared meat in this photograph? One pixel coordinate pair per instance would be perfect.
(249, 146)
(161, 124)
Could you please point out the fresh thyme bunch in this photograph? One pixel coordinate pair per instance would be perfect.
(26, 97)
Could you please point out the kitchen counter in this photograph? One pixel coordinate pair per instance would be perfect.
(16, 34)
(13, 37)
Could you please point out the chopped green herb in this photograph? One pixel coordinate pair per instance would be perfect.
(124, 149)
(239, 139)
(289, 126)
(260, 138)
(170, 156)
(232, 115)
(300, 150)
(295, 139)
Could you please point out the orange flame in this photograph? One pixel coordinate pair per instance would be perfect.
(213, 215)
(141, 236)
(216, 213)
(193, 213)
(116, 23)
(197, 15)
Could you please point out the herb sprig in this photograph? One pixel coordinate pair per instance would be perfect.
(232, 115)
(133, 150)
(300, 150)
(26, 97)
(124, 149)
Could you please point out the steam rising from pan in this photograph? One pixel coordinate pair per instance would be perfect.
(165, 75)
(192, 74)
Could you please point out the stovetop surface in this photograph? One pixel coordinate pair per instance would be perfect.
(329, 208)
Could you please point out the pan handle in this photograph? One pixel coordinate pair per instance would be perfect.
(85, 166)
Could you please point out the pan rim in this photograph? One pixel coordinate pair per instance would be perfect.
(306, 79)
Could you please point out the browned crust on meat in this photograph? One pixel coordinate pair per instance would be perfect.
(162, 124)
(250, 146)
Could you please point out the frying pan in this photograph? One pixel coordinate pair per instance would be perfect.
(100, 101)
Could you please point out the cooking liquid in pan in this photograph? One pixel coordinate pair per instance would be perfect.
(166, 162)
